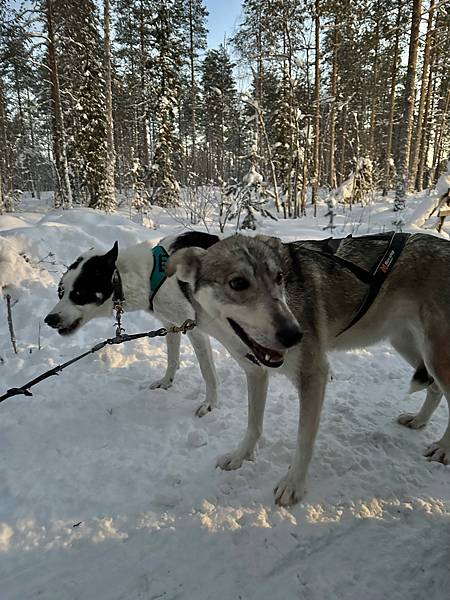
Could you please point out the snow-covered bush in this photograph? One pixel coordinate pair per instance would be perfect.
(358, 187)
(244, 201)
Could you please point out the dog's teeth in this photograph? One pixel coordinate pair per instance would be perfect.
(267, 357)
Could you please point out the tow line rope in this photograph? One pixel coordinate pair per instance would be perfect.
(119, 338)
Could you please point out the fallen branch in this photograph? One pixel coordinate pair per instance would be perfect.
(12, 335)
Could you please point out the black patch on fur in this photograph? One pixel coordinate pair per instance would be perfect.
(193, 239)
(94, 284)
(186, 289)
(75, 264)
(422, 376)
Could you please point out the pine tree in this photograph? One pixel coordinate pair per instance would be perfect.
(80, 53)
(220, 114)
(164, 65)
(63, 195)
(194, 26)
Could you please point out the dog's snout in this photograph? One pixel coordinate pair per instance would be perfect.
(52, 320)
(289, 336)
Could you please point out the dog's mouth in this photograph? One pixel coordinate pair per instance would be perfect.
(69, 329)
(266, 356)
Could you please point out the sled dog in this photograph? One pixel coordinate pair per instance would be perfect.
(283, 306)
(88, 288)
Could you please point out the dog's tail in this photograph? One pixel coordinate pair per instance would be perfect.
(420, 380)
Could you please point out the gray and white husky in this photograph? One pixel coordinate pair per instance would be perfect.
(283, 306)
(86, 291)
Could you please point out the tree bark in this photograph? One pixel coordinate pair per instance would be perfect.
(408, 110)
(334, 73)
(110, 169)
(59, 138)
(193, 91)
(423, 94)
(316, 149)
(425, 137)
(387, 167)
(373, 103)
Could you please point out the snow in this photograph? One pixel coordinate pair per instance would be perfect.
(424, 210)
(443, 183)
(109, 490)
(252, 177)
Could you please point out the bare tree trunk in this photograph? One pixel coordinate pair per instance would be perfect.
(316, 150)
(110, 169)
(33, 169)
(193, 91)
(425, 137)
(408, 110)
(343, 143)
(334, 73)
(3, 151)
(373, 104)
(439, 134)
(387, 167)
(59, 137)
(145, 119)
(423, 93)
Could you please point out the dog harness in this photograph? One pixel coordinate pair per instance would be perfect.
(158, 276)
(377, 275)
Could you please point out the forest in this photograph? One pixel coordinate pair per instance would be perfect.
(122, 101)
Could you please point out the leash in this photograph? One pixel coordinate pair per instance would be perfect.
(188, 325)
(118, 301)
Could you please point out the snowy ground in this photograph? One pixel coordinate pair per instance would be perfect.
(108, 490)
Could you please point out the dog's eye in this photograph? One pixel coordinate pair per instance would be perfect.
(239, 284)
(279, 278)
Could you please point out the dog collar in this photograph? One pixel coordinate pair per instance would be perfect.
(158, 276)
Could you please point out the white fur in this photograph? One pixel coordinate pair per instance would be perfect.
(170, 306)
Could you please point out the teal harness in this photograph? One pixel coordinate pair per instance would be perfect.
(158, 276)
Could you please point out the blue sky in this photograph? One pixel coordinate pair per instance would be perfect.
(223, 19)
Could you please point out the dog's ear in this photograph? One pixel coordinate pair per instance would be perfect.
(186, 264)
(111, 256)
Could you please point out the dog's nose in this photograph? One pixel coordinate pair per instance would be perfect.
(289, 336)
(52, 320)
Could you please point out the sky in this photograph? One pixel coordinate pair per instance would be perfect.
(223, 19)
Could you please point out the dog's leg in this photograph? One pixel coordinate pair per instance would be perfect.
(291, 487)
(202, 349)
(173, 360)
(416, 421)
(257, 383)
(406, 347)
(438, 365)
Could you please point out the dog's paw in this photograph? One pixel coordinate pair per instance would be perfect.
(288, 491)
(438, 452)
(162, 384)
(232, 461)
(204, 408)
(411, 420)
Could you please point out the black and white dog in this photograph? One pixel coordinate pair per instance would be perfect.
(88, 288)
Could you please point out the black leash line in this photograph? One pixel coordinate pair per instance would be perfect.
(118, 339)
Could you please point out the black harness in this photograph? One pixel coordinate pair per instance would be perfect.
(377, 275)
